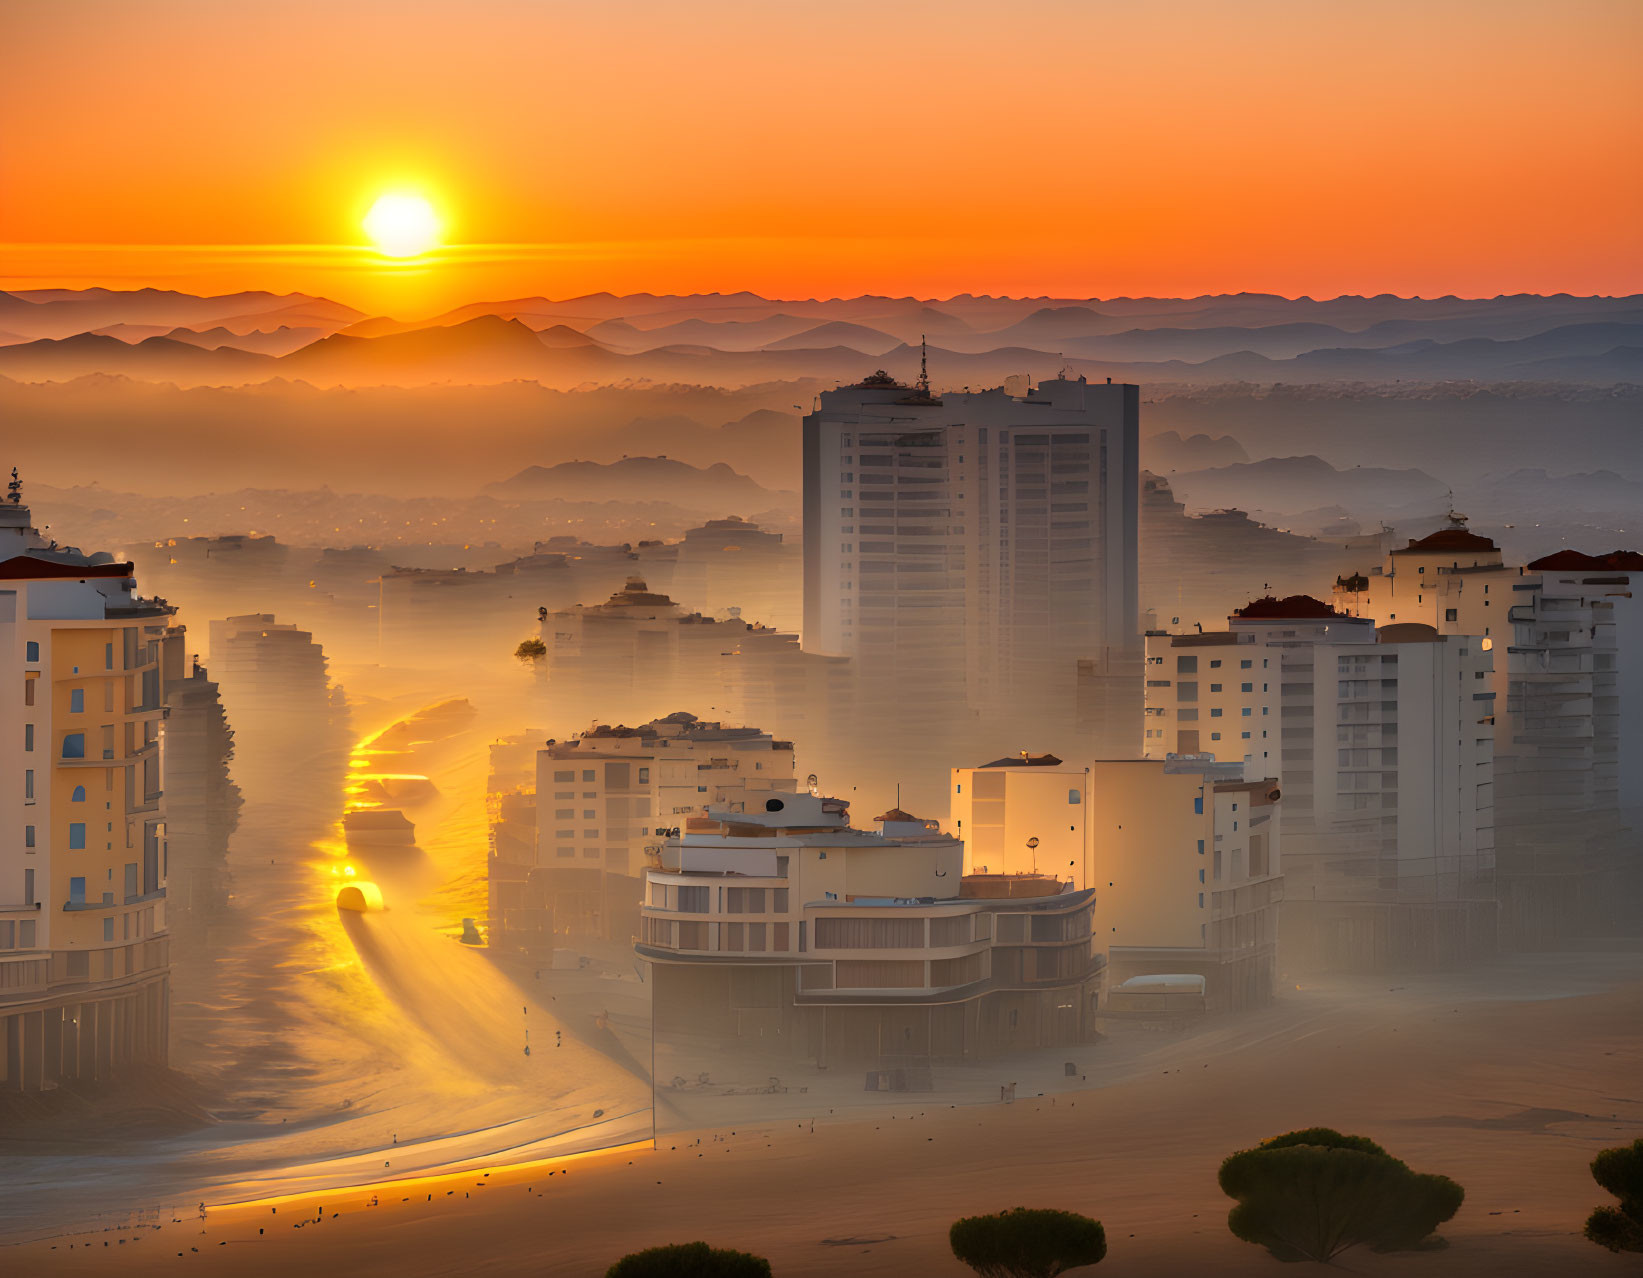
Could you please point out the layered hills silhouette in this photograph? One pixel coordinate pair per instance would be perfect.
(637, 479)
(740, 339)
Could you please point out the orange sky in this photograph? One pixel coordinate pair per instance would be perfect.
(1079, 147)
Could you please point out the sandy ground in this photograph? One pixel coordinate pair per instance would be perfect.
(1508, 1081)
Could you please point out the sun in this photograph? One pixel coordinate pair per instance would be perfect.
(402, 225)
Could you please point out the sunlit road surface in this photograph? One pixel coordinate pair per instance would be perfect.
(354, 1047)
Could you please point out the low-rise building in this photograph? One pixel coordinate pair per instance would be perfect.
(1189, 874)
(1024, 815)
(780, 926)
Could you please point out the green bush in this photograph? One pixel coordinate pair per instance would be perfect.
(531, 650)
(1620, 1171)
(1027, 1243)
(1312, 1194)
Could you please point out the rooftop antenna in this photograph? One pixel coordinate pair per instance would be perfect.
(923, 366)
(14, 490)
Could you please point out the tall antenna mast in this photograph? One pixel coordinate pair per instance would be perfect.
(923, 364)
(14, 490)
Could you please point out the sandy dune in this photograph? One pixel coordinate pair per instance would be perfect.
(1501, 1083)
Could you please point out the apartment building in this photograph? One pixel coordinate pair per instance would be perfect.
(1567, 714)
(639, 651)
(84, 964)
(967, 549)
(290, 721)
(779, 926)
(602, 803)
(732, 563)
(1383, 741)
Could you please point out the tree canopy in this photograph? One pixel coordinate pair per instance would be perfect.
(689, 1260)
(1620, 1171)
(1027, 1242)
(1314, 1193)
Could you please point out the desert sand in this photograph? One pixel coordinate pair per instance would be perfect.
(1509, 1081)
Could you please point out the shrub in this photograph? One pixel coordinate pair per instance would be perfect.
(1620, 1171)
(531, 650)
(689, 1260)
(1027, 1243)
(1312, 1194)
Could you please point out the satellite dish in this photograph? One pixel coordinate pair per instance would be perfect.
(1033, 842)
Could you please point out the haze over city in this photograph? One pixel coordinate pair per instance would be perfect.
(909, 639)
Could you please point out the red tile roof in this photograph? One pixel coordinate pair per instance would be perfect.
(1575, 560)
(1564, 561)
(1447, 541)
(1295, 607)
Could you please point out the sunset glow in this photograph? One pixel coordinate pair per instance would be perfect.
(1464, 147)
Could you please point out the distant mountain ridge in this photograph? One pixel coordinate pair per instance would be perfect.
(741, 339)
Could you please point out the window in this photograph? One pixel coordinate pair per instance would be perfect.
(28, 783)
(79, 795)
(108, 929)
(108, 656)
(1215, 665)
(28, 736)
(588, 774)
(1186, 665)
(1198, 805)
(1246, 712)
(1074, 796)
(1246, 687)
(28, 836)
(77, 835)
(76, 700)
(1448, 614)
(74, 745)
(32, 650)
(564, 814)
(1215, 687)
(1215, 713)
(644, 776)
(694, 900)
(869, 934)
(76, 891)
(1246, 665)
(1200, 847)
(564, 776)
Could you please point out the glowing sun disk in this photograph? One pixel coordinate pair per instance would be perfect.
(402, 225)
